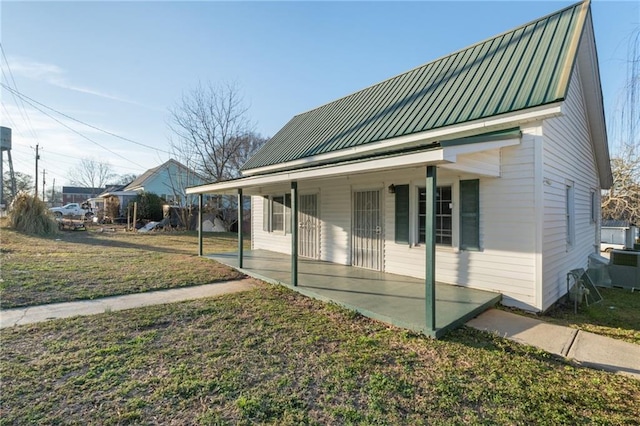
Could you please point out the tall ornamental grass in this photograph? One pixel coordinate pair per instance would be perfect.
(30, 215)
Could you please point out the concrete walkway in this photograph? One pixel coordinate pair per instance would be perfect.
(28, 315)
(588, 349)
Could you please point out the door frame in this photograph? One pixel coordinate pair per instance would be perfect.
(381, 209)
(318, 232)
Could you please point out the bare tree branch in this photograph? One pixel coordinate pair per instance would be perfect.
(210, 125)
(91, 174)
(214, 137)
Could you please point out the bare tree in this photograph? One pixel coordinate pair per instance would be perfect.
(24, 182)
(125, 179)
(212, 128)
(91, 174)
(213, 136)
(622, 201)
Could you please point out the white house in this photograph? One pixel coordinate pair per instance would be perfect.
(480, 169)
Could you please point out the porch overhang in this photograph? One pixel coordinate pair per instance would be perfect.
(454, 154)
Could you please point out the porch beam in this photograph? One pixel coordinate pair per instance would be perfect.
(430, 248)
(294, 233)
(200, 224)
(240, 233)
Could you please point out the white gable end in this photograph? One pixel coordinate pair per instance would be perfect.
(568, 161)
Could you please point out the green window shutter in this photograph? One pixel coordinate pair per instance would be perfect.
(265, 213)
(470, 214)
(402, 214)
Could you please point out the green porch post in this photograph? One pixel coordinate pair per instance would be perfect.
(240, 234)
(430, 248)
(199, 224)
(294, 233)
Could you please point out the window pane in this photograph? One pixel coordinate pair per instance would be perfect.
(277, 214)
(443, 215)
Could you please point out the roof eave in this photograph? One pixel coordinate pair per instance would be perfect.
(446, 155)
(587, 61)
(500, 122)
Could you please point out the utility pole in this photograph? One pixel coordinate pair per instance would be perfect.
(44, 193)
(37, 158)
(53, 193)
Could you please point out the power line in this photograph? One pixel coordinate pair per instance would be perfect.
(22, 95)
(23, 112)
(80, 134)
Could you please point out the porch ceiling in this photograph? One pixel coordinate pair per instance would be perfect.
(453, 156)
(394, 299)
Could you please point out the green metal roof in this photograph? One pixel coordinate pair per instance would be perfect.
(523, 68)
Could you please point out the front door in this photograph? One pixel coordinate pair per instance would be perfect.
(309, 227)
(366, 241)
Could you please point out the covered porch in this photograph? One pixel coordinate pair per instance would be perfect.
(390, 298)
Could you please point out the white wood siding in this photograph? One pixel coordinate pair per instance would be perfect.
(568, 156)
(335, 218)
(506, 261)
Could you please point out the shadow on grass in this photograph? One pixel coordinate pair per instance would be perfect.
(222, 241)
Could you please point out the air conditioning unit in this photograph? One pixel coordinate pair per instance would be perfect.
(624, 269)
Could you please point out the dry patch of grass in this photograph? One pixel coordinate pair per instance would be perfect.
(271, 356)
(90, 264)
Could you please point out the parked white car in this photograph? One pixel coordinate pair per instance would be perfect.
(71, 209)
(609, 247)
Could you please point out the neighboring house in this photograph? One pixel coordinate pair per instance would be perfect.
(115, 201)
(618, 235)
(169, 181)
(504, 142)
(77, 194)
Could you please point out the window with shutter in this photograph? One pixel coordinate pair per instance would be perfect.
(444, 222)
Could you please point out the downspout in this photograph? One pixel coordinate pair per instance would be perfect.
(294, 233)
(199, 224)
(430, 249)
(240, 233)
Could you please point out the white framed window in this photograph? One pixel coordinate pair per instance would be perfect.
(444, 215)
(570, 213)
(276, 214)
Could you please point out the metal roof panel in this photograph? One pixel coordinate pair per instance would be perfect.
(519, 69)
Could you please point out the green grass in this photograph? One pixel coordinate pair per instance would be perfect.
(616, 316)
(271, 356)
(90, 264)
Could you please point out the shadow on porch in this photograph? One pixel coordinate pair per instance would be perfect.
(394, 299)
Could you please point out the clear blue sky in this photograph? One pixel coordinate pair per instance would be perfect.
(121, 65)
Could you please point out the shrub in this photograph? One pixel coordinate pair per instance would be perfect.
(149, 206)
(30, 215)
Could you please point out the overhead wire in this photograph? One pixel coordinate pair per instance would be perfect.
(29, 100)
(21, 108)
(83, 136)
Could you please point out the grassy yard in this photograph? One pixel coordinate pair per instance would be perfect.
(271, 356)
(89, 264)
(617, 316)
(267, 356)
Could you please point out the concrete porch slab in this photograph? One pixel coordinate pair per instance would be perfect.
(394, 299)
